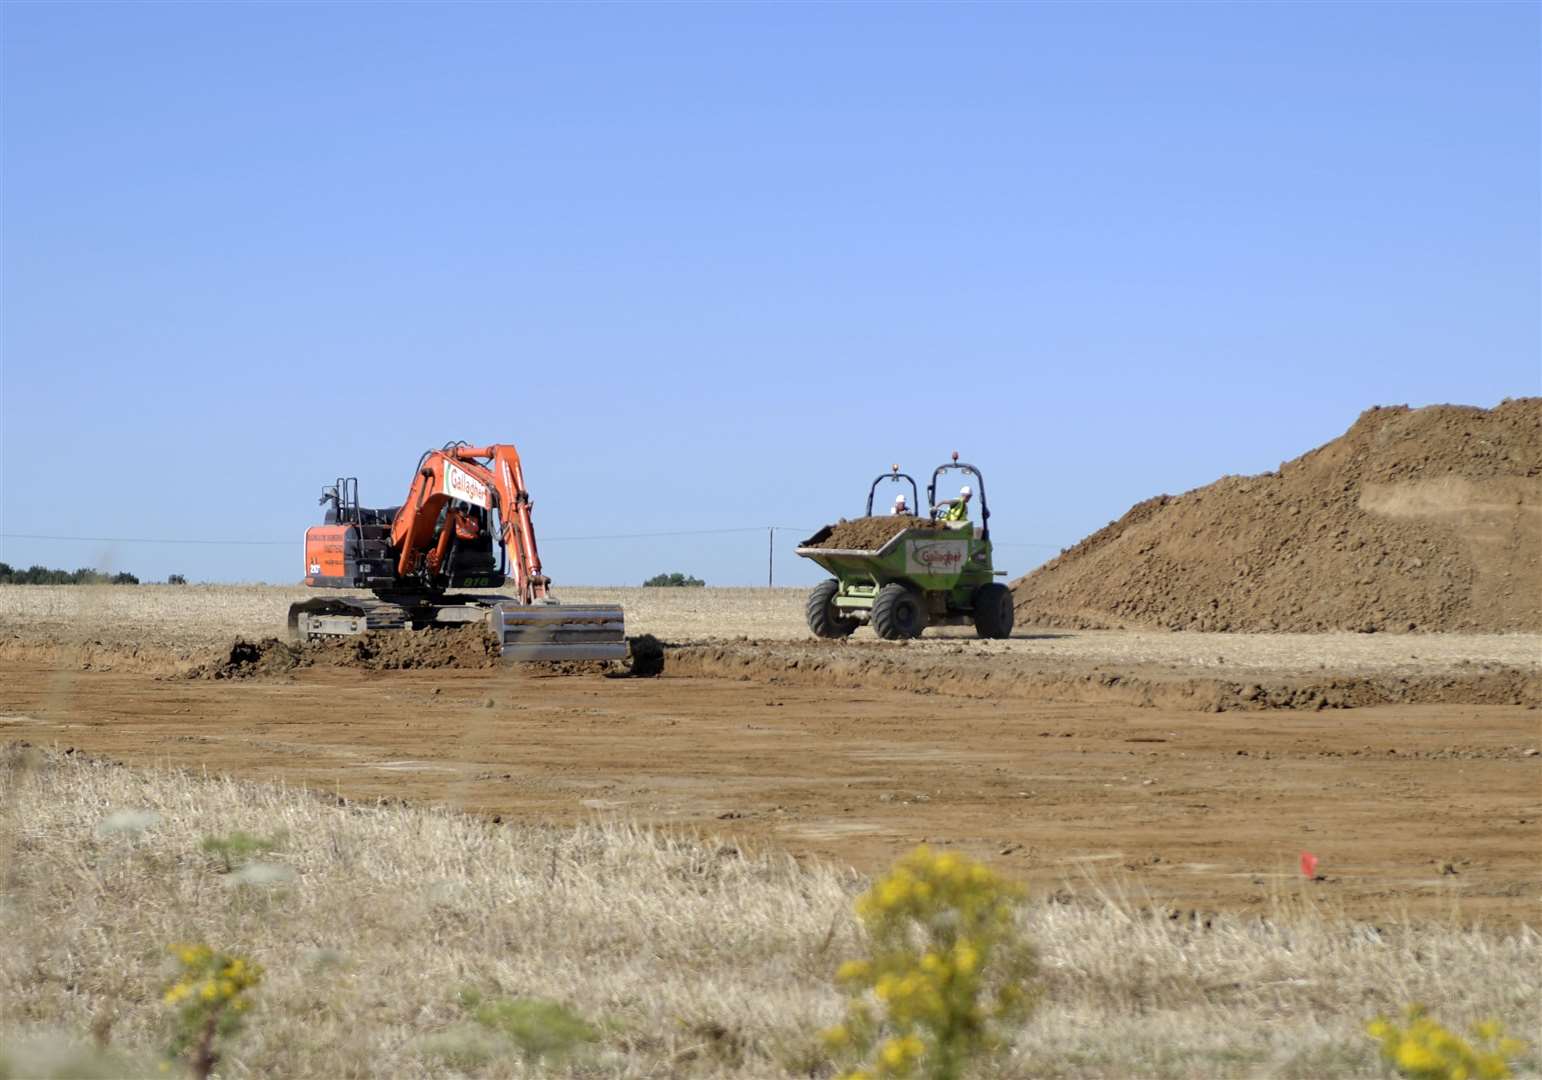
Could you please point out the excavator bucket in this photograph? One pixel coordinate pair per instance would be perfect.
(558, 631)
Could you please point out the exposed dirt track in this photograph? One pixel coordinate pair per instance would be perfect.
(974, 670)
(1421, 807)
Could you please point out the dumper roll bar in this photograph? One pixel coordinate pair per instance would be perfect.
(979, 482)
(895, 476)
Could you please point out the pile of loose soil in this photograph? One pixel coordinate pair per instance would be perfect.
(458, 647)
(1414, 519)
(251, 659)
(872, 533)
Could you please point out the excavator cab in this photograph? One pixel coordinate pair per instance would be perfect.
(466, 537)
(351, 548)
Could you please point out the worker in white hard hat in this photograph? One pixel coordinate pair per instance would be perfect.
(958, 509)
(900, 505)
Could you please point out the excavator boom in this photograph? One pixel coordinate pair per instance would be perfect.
(466, 523)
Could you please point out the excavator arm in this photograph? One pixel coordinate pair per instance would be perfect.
(485, 476)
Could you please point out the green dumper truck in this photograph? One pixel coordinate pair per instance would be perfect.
(928, 571)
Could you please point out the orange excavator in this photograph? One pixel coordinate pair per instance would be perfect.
(465, 524)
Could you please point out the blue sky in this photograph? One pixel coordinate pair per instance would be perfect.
(716, 266)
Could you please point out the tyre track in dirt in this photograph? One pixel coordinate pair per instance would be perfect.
(842, 666)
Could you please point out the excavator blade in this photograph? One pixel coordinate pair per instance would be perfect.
(558, 631)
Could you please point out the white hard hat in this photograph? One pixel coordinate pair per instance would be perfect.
(965, 490)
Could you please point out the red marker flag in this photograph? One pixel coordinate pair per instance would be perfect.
(1308, 865)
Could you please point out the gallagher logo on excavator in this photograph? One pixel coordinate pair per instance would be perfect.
(459, 484)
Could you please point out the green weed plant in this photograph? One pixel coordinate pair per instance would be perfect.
(543, 1032)
(236, 849)
(211, 993)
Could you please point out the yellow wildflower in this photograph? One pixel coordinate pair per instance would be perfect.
(965, 957)
(1425, 1050)
(945, 936)
(191, 955)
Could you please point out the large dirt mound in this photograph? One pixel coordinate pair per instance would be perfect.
(1414, 519)
(872, 533)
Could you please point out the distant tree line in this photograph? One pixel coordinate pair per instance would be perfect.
(676, 581)
(42, 575)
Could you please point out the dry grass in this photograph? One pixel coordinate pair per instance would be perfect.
(200, 616)
(187, 619)
(692, 958)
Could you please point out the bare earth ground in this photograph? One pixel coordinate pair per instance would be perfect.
(1201, 765)
(189, 618)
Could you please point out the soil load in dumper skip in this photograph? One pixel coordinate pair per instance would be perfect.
(871, 533)
(1414, 519)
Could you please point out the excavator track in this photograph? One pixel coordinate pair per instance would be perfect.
(524, 632)
(340, 617)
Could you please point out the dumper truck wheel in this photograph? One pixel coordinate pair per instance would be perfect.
(898, 613)
(824, 618)
(993, 610)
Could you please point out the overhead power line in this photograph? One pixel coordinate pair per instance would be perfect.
(544, 540)
(680, 532)
(286, 543)
(140, 539)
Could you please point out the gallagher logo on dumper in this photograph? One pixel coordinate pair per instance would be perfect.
(940, 556)
(459, 484)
